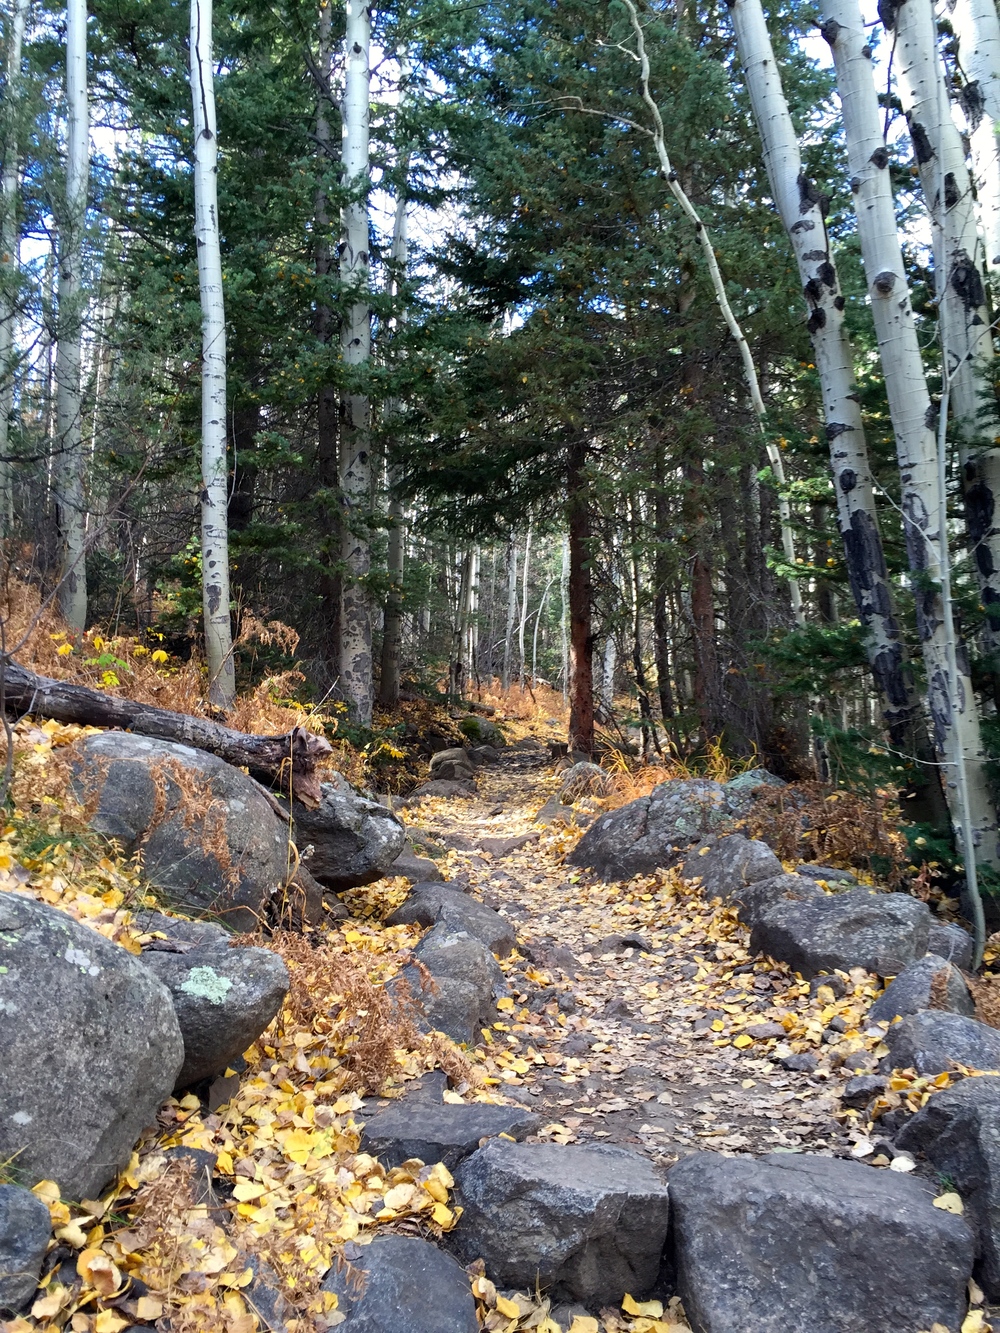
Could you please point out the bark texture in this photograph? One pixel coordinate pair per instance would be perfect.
(9, 247)
(581, 639)
(977, 29)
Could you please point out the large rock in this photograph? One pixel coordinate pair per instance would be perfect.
(443, 790)
(404, 1284)
(804, 1242)
(741, 791)
(453, 765)
(465, 984)
(417, 869)
(952, 942)
(584, 779)
(911, 991)
(209, 837)
(354, 840)
(730, 864)
(430, 903)
(441, 1132)
(653, 831)
(224, 999)
(482, 731)
(958, 1131)
(933, 1041)
(89, 1048)
(881, 932)
(755, 898)
(25, 1229)
(586, 1223)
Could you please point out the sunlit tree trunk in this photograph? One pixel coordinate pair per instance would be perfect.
(71, 513)
(508, 638)
(9, 244)
(950, 698)
(802, 211)
(522, 622)
(214, 471)
(355, 342)
(963, 309)
(977, 29)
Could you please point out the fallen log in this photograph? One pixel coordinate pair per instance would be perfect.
(288, 761)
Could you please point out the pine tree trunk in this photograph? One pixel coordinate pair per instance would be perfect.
(977, 28)
(355, 342)
(581, 641)
(951, 702)
(508, 638)
(963, 309)
(9, 245)
(214, 470)
(71, 513)
(802, 211)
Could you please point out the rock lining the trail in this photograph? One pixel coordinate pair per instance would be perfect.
(431, 903)
(404, 1284)
(934, 1041)
(910, 992)
(25, 1231)
(440, 1132)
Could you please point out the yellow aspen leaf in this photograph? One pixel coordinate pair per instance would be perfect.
(743, 1041)
(505, 1003)
(950, 1203)
(110, 1321)
(443, 1215)
(507, 1308)
(98, 1271)
(73, 1234)
(584, 1323)
(974, 1322)
(436, 1190)
(245, 1191)
(651, 1309)
(400, 1196)
(47, 1191)
(717, 1025)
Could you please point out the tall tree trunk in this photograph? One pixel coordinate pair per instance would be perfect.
(470, 627)
(327, 495)
(581, 640)
(508, 638)
(564, 618)
(964, 318)
(71, 513)
(9, 245)
(525, 571)
(650, 740)
(214, 511)
(355, 343)
(661, 579)
(977, 28)
(951, 701)
(802, 211)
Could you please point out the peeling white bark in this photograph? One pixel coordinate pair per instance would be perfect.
(9, 181)
(214, 470)
(950, 698)
(977, 28)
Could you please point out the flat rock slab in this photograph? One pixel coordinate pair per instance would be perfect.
(25, 1229)
(958, 1131)
(881, 932)
(911, 991)
(730, 864)
(795, 1242)
(440, 1133)
(587, 1223)
(933, 1041)
(431, 903)
(404, 1285)
(504, 846)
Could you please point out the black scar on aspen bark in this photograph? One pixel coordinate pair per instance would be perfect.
(866, 565)
(835, 428)
(828, 274)
(848, 480)
(884, 282)
(887, 11)
(973, 103)
(980, 508)
(810, 197)
(880, 157)
(889, 671)
(931, 416)
(803, 224)
(829, 30)
(967, 282)
(951, 195)
(814, 254)
(839, 302)
(922, 149)
(855, 184)
(817, 320)
(812, 290)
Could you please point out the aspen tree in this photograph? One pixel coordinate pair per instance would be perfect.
(214, 470)
(355, 343)
(950, 698)
(9, 181)
(508, 639)
(977, 29)
(71, 513)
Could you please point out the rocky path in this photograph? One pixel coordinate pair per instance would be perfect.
(638, 1016)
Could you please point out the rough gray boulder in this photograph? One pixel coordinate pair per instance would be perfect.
(882, 932)
(453, 765)
(446, 790)
(417, 869)
(354, 840)
(910, 992)
(209, 836)
(404, 1284)
(958, 1131)
(933, 1041)
(431, 903)
(89, 1048)
(727, 866)
(805, 1242)
(584, 779)
(25, 1229)
(224, 999)
(952, 942)
(440, 1132)
(587, 1223)
(756, 898)
(466, 983)
(482, 731)
(653, 831)
(741, 790)
(826, 874)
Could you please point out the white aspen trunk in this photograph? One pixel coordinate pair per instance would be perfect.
(609, 661)
(977, 28)
(564, 617)
(355, 342)
(9, 244)
(950, 699)
(524, 605)
(508, 638)
(722, 300)
(71, 513)
(963, 309)
(470, 636)
(802, 213)
(214, 469)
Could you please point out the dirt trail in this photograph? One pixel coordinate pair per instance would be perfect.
(632, 1039)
